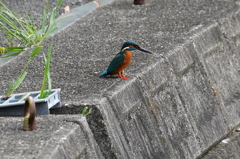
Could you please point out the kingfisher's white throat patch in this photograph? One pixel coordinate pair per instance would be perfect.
(125, 48)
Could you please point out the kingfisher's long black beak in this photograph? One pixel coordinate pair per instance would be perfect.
(144, 50)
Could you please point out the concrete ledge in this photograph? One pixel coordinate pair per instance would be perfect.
(62, 136)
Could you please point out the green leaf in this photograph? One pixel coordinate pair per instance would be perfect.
(10, 87)
(15, 48)
(13, 51)
(63, 17)
(59, 3)
(52, 17)
(50, 31)
(84, 110)
(44, 22)
(15, 84)
(23, 30)
(7, 21)
(20, 80)
(49, 81)
(36, 51)
(90, 111)
(42, 91)
(46, 74)
(13, 54)
(6, 9)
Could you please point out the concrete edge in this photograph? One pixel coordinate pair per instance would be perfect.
(68, 141)
(77, 13)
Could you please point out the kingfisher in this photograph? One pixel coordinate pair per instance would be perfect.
(122, 60)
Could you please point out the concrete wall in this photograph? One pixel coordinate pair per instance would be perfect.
(181, 105)
(178, 107)
(56, 137)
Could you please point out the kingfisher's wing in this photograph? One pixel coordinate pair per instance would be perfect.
(117, 61)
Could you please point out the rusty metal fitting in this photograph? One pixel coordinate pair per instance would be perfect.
(139, 2)
(29, 115)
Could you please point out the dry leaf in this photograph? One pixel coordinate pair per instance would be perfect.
(225, 141)
(216, 92)
(98, 3)
(66, 9)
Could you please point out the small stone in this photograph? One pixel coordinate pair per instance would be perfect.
(225, 141)
(237, 130)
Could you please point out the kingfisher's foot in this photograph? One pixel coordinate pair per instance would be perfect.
(122, 77)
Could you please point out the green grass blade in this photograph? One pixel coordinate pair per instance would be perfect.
(63, 17)
(46, 75)
(59, 3)
(42, 91)
(29, 23)
(53, 13)
(49, 81)
(11, 33)
(36, 51)
(84, 110)
(20, 80)
(5, 7)
(13, 54)
(15, 84)
(52, 17)
(44, 21)
(8, 12)
(15, 48)
(1, 4)
(22, 36)
(7, 21)
(51, 31)
(48, 71)
(12, 16)
(90, 111)
(9, 90)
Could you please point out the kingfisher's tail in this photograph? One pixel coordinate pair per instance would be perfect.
(103, 74)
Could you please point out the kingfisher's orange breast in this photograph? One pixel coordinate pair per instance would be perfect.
(125, 64)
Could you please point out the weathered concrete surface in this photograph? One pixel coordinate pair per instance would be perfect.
(56, 137)
(228, 148)
(176, 103)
